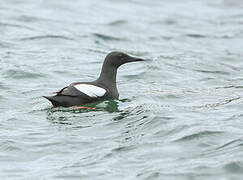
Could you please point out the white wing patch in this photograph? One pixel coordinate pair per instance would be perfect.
(90, 90)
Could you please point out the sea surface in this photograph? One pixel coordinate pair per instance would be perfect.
(180, 113)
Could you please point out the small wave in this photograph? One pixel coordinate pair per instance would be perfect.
(134, 76)
(123, 148)
(198, 135)
(107, 37)
(212, 72)
(234, 167)
(225, 36)
(97, 51)
(225, 148)
(196, 35)
(229, 144)
(6, 45)
(212, 105)
(10, 145)
(68, 110)
(219, 36)
(21, 74)
(2, 86)
(15, 26)
(228, 87)
(131, 111)
(46, 37)
(117, 22)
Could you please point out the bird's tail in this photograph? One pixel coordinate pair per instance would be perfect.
(52, 99)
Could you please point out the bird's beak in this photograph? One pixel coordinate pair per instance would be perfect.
(134, 59)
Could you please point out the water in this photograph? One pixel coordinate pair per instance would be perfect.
(180, 114)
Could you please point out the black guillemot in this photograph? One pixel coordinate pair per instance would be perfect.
(80, 93)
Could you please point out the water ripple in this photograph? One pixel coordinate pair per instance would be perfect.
(46, 37)
(15, 26)
(235, 167)
(196, 35)
(117, 23)
(107, 37)
(198, 135)
(217, 104)
(21, 74)
(180, 113)
(213, 72)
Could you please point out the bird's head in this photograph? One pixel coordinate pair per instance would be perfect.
(116, 59)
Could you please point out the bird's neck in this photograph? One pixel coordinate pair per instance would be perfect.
(108, 76)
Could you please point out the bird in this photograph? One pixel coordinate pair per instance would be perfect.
(103, 88)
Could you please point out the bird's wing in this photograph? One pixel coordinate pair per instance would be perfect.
(82, 89)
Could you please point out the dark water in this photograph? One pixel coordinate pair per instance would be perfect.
(181, 111)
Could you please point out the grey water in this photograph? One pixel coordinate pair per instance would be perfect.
(180, 113)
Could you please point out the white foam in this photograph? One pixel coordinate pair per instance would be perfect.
(90, 90)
